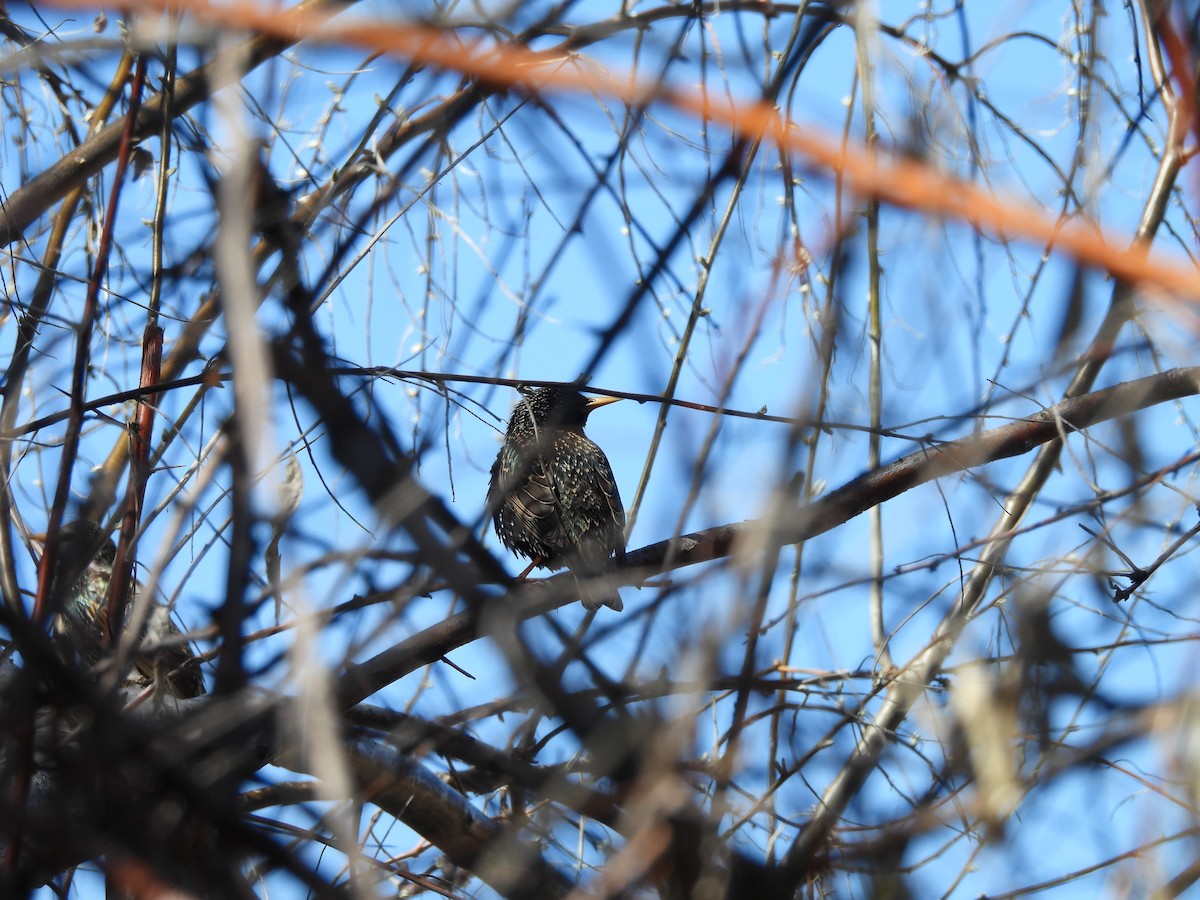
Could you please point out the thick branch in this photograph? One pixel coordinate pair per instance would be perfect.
(886, 482)
(877, 486)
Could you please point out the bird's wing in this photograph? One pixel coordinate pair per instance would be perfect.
(590, 506)
(531, 501)
(606, 484)
(536, 503)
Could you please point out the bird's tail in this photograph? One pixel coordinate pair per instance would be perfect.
(598, 590)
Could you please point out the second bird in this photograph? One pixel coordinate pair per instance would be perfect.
(554, 497)
(82, 574)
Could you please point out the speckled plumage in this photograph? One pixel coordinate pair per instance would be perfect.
(553, 492)
(87, 555)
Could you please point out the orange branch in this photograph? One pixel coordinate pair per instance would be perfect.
(900, 182)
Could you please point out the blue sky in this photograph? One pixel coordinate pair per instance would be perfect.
(964, 321)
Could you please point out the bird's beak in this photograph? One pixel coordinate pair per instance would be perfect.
(596, 402)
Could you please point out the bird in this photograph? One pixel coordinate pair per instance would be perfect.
(552, 493)
(79, 591)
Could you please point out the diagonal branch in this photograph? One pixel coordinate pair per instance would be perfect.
(868, 490)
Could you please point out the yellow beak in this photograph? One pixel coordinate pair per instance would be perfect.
(596, 402)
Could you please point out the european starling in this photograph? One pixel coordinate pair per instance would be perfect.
(553, 492)
(85, 563)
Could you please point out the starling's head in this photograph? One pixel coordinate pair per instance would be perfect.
(552, 408)
(86, 540)
(80, 542)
